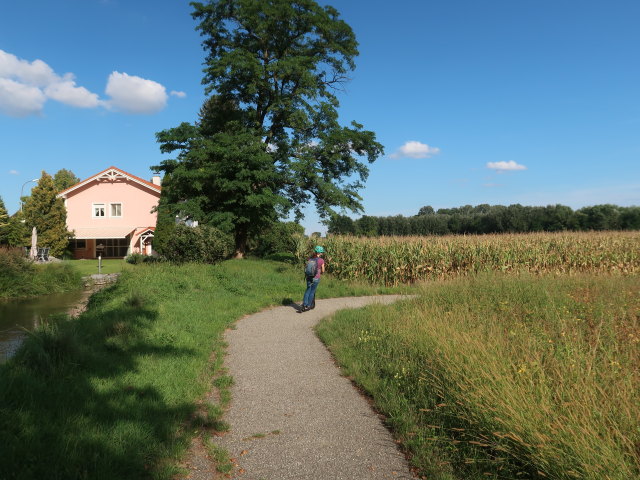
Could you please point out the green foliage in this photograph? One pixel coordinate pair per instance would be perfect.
(483, 219)
(17, 234)
(49, 215)
(202, 244)
(504, 377)
(64, 179)
(135, 258)
(280, 237)
(165, 223)
(268, 141)
(111, 394)
(19, 277)
(4, 223)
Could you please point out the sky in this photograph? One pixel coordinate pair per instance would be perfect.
(498, 102)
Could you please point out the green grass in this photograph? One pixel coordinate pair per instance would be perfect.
(90, 267)
(505, 377)
(117, 393)
(21, 278)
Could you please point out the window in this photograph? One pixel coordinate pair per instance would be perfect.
(98, 209)
(113, 247)
(116, 209)
(78, 244)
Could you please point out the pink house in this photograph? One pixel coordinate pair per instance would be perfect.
(110, 214)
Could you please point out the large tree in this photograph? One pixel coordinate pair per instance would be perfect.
(48, 214)
(268, 141)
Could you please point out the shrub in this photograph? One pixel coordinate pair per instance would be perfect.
(135, 258)
(202, 244)
(15, 271)
(279, 238)
(19, 277)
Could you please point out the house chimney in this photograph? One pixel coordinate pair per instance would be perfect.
(156, 180)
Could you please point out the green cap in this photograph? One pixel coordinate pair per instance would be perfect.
(319, 249)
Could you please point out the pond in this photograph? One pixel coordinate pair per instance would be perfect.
(28, 313)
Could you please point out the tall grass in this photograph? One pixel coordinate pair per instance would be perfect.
(400, 260)
(506, 377)
(20, 277)
(118, 393)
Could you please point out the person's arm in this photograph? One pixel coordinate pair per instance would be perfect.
(324, 262)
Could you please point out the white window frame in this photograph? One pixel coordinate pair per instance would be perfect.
(98, 205)
(111, 204)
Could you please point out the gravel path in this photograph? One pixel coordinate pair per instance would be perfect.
(292, 415)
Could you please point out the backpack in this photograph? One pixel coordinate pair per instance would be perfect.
(311, 268)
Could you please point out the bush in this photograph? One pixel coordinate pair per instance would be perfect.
(202, 244)
(135, 258)
(15, 271)
(279, 238)
(19, 277)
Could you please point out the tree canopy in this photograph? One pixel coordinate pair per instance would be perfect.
(64, 179)
(492, 219)
(4, 223)
(48, 214)
(268, 141)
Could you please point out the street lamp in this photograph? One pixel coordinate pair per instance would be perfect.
(22, 189)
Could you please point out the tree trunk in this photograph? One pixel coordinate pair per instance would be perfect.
(241, 242)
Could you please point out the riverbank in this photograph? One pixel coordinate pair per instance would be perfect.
(22, 278)
(118, 393)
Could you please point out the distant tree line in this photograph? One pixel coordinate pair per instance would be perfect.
(491, 219)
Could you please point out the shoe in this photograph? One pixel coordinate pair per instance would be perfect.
(303, 309)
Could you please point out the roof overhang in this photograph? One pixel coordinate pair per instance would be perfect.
(87, 233)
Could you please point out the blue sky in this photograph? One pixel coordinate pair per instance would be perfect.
(495, 102)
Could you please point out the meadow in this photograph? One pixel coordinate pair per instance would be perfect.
(119, 392)
(523, 361)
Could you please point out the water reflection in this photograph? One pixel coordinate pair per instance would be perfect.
(17, 315)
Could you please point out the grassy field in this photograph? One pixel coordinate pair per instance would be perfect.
(90, 267)
(402, 260)
(510, 377)
(118, 393)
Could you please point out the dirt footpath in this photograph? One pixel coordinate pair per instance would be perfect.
(292, 415)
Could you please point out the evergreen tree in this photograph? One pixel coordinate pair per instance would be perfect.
(49, 215)
(17, 234)
(4, 223)
(64, 179)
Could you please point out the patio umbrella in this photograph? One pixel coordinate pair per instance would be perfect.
(34, 243)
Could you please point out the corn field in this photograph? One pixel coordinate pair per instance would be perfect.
(399, 260)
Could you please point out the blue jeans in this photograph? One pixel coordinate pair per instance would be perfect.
(310, 294)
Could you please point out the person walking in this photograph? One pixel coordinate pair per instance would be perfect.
(313, 271)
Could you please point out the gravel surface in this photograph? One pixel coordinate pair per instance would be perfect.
(292, 415)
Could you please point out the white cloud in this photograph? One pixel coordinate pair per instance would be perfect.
(67, 92)
(26, 86)
(133, 94)
(14, 172)
(19, 100)
(414, 149)
(509, 166)
(36, 73)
